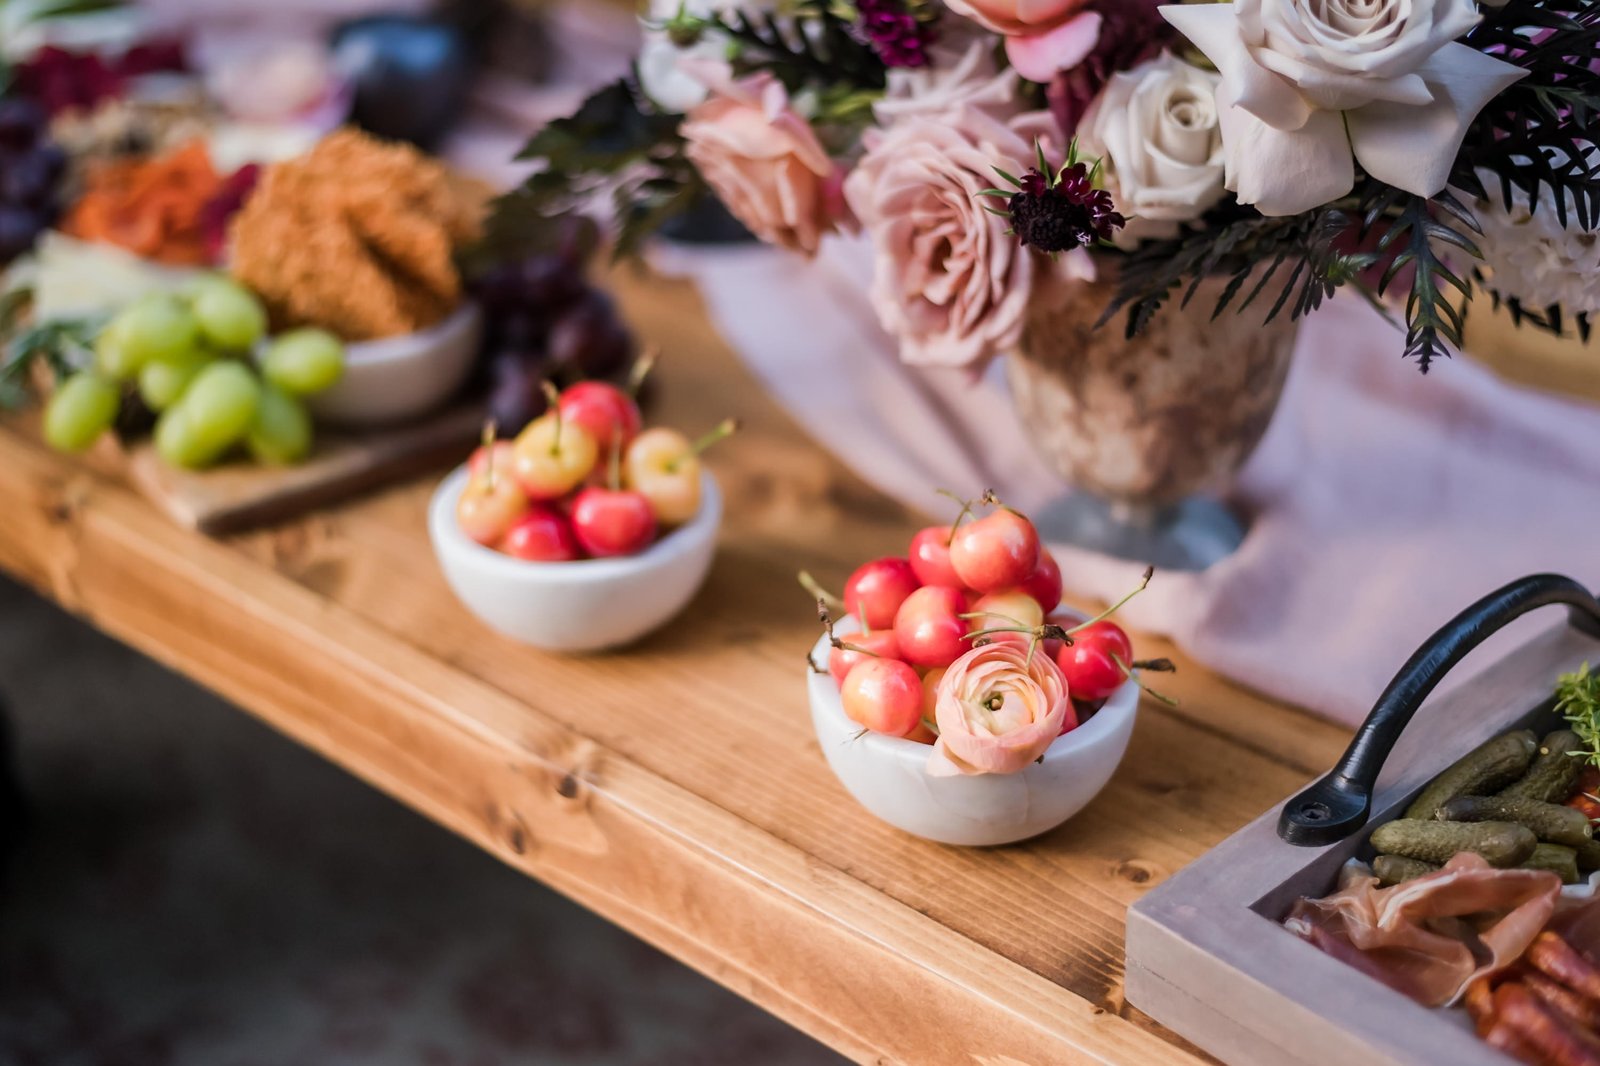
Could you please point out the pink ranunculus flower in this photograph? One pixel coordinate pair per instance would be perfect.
(998, 708)
(765, 164)
(949, 284)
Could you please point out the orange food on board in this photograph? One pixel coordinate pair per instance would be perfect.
(152, 207)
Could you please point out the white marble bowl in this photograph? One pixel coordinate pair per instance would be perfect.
(889, 777)
(587, 605)
(399, 378)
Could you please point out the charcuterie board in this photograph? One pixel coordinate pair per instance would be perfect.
(1207, 954)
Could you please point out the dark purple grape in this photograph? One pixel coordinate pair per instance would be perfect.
(516, 392)
(499, 288)
(590, 341)
(30, 179)
(19, 228)
(552, 282)
(22, 123)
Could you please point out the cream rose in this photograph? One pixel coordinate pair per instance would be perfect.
(998, 708)
(1154, 129)
(948, 282)
(1310, 87)
(765, 164)
(666, 69)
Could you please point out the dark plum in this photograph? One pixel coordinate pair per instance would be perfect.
(516, 392)
(19, 228)
(22, 123)
(589, 340)
(30, 179)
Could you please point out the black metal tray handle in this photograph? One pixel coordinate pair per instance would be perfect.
(1340, 803)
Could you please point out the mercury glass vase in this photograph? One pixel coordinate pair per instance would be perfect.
(1148, 430)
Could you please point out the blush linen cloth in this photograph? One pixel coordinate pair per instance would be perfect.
(1381, 503)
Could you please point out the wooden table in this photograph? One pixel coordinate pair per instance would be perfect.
(677, 789)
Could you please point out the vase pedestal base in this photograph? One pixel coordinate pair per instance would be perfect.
(1189, 535)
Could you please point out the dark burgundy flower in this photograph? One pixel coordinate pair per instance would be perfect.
(894, 31)
(220, 209)
(1132, 31)
(60, 80)
(1067, 213)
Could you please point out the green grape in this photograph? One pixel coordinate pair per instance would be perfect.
(179, 445)
(281, 432)
(304, 361)
(220, 404)
(110, 357)
(83, 407)
(155, 328)
(162, 384)
(229, 315)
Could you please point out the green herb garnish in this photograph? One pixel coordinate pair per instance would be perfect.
(1578, 701)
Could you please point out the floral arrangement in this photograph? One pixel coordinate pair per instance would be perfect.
(1290, 146)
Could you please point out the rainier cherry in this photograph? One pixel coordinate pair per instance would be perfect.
(998, 551)
(929, 627)
(879, 643)
(542, 535)
(503, 453)
(492, 500)
(1044, 584)
(1096, 663)
(608, 413)
(665, 467)
(999, 610)
(883, 695)
(553, 457)
(876, 590)
(930, 557)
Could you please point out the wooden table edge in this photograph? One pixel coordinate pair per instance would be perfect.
(868, 975)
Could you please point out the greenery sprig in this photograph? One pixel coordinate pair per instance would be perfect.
(1578, 701)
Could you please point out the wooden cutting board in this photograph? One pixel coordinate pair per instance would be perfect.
(242, 495)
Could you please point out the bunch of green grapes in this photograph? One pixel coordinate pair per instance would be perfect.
(193, 359)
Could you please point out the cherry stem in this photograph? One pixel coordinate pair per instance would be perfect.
(553, 398)
(1127, 671)
(724, 429)
(1155, 666)
(614, 464)
(930, 725)
(489, 430)
(641, 369)
(992, 500)
(962, 516)
(1048, 631)
(1144, 583)
(827, 624)
(823, 596)
(811, 662)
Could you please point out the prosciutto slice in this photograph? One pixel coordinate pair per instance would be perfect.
(1430, 937)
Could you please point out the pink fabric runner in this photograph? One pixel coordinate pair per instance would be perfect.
(1383, 501)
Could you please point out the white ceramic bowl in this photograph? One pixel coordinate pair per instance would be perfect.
(397, 378)
(889, 776)
(578, 606)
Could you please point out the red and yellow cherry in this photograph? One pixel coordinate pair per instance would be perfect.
(552, 457)
(876, 590)
(665, 466)
(611, 522)
(503, 454)
(542, 535)
(1013, 608)
(608, 413)
(1044, 584)
(997, 551)
(879, 643)
(930, 557)
(883, 695)
(1096, 663)
(929, 627)
(489, 506)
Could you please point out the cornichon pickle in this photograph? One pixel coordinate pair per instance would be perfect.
(1491, 765)
(1554, 774)
(1501, 843)
(1589, 855)
(1557, 860)
(1549, 821)
(1393, 869)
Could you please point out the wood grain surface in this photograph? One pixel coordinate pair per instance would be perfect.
(676, 787)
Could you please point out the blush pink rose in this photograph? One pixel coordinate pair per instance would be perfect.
(1043, 37)
(949, 284)
(998, 708)
(1018, 18)
(765, 164)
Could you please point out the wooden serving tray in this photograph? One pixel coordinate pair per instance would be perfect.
(1206, 954)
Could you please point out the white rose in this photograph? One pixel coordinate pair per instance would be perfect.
(1310, 87)
(663, 75)
(1154, 128)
